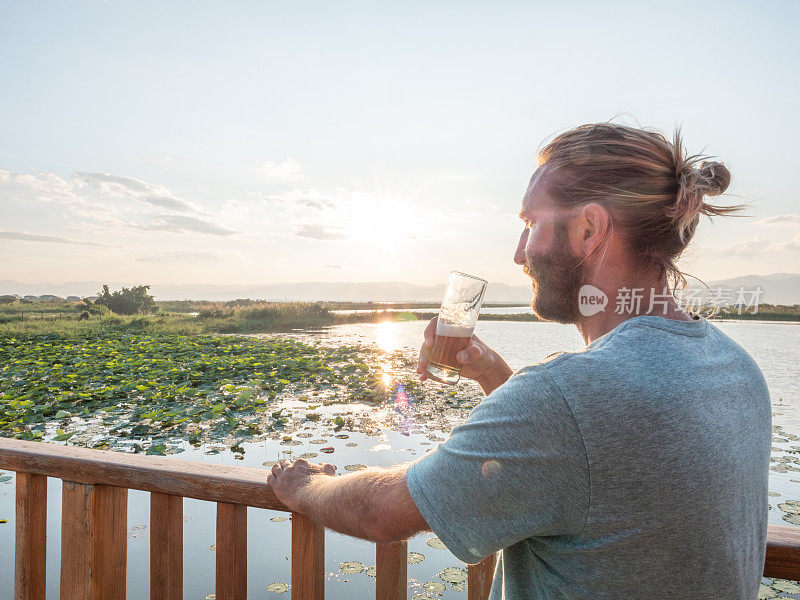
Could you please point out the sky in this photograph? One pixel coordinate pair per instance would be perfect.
(257, 142)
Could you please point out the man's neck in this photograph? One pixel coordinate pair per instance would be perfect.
(628, 300)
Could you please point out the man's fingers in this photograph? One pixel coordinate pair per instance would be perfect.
(424, 353)
(471, 353)
(276, 469)
(430, 332)
(328, 469)
(271, 480)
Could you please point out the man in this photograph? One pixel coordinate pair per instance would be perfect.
(635, 468)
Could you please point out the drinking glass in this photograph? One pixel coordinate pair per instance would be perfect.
(457, 317)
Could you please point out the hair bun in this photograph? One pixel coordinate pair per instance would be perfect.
(714, 178)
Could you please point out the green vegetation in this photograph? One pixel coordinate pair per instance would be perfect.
(766, 312)
(241, 316)
(128, 301)
(159, 389)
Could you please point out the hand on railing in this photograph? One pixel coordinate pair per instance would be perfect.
(292, 482)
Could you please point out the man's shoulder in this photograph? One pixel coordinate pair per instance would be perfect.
(530, 391)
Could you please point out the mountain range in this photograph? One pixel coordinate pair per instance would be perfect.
(778, 288)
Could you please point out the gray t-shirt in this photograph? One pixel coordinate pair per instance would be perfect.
(633, 469)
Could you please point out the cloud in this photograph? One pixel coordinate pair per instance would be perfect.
(186, 224)
(288, 170)
(47, 239)
(319, 204)
(756, 247)
(318, 232)
(121, 186)
(41, 187)
(185, 256)
(746, 248)
(169, 203)
(793, 245)
(114, 185)
(789, 219)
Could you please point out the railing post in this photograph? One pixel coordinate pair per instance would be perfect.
(166, 547)
(31, 537)
(308, 559)
(94, 544)
(391, 571)
(231, 552)
(479, 578)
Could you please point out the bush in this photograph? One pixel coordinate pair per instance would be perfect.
(7, 299)
(99, 310)
(128, 301)
(83, 316)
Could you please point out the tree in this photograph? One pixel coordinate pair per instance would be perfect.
(128, 301)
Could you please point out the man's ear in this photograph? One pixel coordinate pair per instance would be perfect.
(593, 226)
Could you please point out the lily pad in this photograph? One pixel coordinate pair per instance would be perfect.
(355, 467)
(790, 506)
(792, 518)
(453, 575)
(415, 558)
(371, 571)
(278, 587)
(279, 519)
(435, 542)
(783, 585)
(308, 455)
(765, 592)
(435, 587)
(351, 567)
(327, 449)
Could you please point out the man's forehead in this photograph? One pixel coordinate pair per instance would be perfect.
(535, 194)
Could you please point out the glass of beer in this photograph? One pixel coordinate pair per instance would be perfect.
(457, 318)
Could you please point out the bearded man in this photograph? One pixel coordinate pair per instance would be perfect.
(633, 469)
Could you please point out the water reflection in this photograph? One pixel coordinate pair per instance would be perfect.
(387, 342)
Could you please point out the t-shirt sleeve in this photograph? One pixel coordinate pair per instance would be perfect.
(516, 468)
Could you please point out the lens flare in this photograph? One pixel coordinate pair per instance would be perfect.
(490, 468)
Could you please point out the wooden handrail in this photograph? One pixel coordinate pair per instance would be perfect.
(783, 552)
(93, 519)
(202, 481)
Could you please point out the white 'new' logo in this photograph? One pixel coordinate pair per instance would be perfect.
(591, 300)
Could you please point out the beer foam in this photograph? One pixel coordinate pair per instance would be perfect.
(450, 330)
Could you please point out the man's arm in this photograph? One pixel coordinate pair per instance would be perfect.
(373, 504)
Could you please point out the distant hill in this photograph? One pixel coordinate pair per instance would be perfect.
(779, 288)
(340, 291)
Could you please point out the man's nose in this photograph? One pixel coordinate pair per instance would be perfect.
(519, 255)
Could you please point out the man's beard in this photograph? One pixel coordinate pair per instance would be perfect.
(557, 279)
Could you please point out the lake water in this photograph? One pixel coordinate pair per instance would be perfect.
(384, 439)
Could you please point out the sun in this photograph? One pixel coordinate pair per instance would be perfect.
(382, 227)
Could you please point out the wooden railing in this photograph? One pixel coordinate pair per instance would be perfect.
(94, 528)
